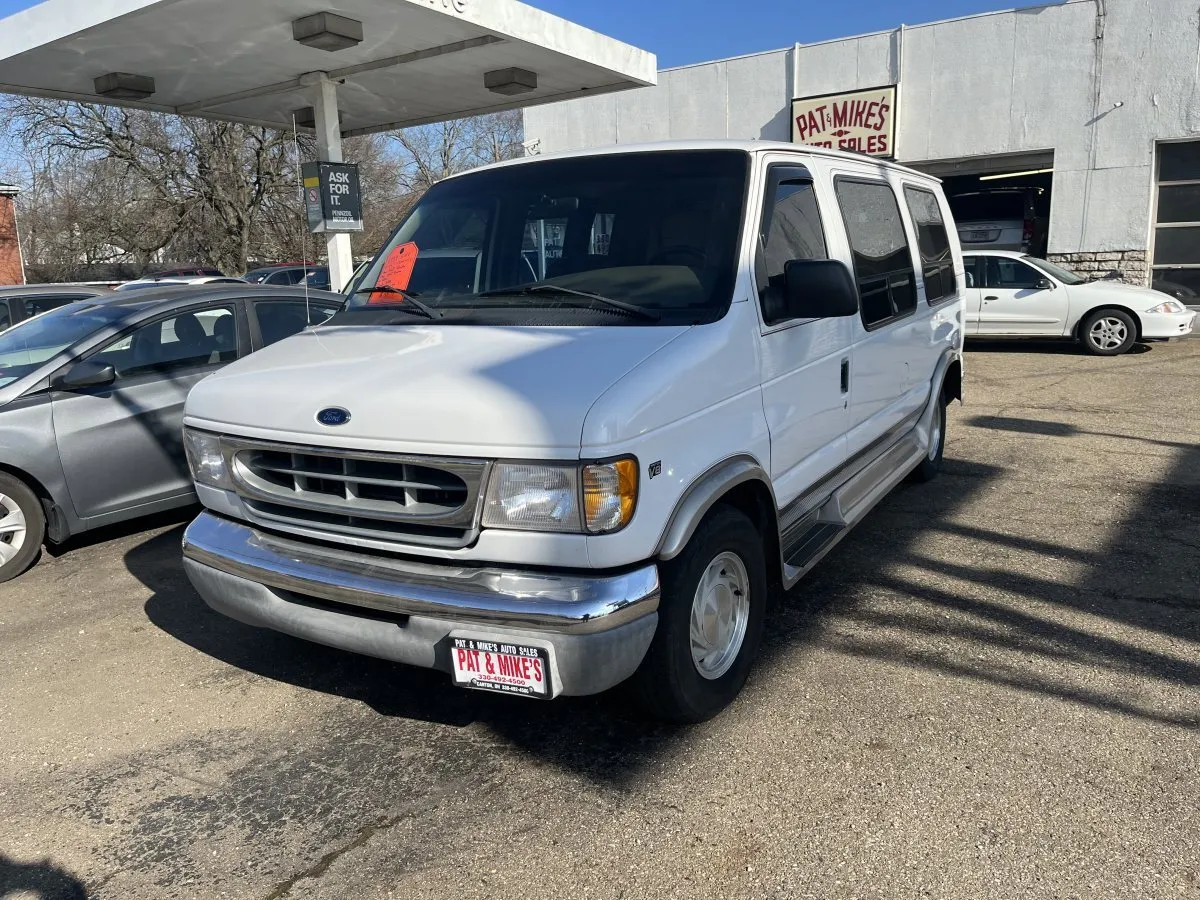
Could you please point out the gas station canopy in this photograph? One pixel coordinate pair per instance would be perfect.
(395, 63)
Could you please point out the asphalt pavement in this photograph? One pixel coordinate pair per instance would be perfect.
(988, 690)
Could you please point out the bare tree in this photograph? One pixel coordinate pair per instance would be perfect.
(193, 183)
(429, 153)
(127, 187)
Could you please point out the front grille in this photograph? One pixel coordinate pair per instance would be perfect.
(380, 496)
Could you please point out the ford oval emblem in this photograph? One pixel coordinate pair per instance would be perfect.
(333, 416)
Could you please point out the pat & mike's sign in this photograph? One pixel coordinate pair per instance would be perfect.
(861, 121)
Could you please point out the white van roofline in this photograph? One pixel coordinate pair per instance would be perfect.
(800, 150)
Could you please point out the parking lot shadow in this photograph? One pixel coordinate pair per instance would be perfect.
(575, 732)
(38, 881)
(604, 739)
(1039, 345)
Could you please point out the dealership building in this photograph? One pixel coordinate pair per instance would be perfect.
(1080, 118)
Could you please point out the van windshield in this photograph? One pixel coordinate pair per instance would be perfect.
(619, 239)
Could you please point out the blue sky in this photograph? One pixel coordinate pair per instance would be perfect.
(687, 31)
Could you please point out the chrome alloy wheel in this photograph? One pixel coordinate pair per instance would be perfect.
(720, 614)
(935, 433)
(12, 529)
(1108, 333)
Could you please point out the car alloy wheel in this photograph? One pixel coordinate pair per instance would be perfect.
(13, 529)
(1108, 333)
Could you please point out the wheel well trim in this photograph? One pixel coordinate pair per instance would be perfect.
(57, 524)
(705, 492)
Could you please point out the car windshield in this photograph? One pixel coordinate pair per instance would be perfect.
(620, 239)
(257, 275)
(27, 345)
(1066, 276)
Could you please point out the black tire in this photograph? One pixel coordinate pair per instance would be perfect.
(929, 466)
(1102, 329)
(669, 684)
(14, 492)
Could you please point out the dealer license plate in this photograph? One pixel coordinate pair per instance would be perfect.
(502, 667)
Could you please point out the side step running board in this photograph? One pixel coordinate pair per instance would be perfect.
(810, 544)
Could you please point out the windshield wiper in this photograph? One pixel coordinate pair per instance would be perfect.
(628, 308)
(406, 296)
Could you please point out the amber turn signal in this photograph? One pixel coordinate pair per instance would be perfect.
(609, 494)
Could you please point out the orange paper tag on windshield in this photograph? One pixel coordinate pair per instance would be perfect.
(397, 272)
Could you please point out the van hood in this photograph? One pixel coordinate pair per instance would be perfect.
(466, 390)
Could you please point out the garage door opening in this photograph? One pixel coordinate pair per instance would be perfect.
(999, 203)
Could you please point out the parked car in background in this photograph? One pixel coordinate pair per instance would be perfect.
(546, 481)
(317, 277)
(1014, 295)
(187, 272)
(999, 219)
(28, 300)
(1185, 294)
(91, 401)
(177, 280)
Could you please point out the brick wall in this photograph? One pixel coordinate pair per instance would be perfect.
(10, 249)
(1130, 263)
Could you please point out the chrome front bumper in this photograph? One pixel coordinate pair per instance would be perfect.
(598, 627)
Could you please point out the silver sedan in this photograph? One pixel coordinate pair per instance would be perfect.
(91, 401)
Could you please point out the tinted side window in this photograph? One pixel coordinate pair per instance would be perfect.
(882, 262)
(35, 305)
(279, 319)
(194, 338)
(974, 271)
(790, 229)
(937, 265)
(5, 316)
(1011, 274)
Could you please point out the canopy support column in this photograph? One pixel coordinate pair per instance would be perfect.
(329, 149)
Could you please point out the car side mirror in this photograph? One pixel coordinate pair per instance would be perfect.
(1044, 284)
(819, 289)
(89, 373)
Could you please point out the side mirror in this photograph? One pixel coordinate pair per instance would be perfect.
(89, 373)
(819, 289)
(1044, 284)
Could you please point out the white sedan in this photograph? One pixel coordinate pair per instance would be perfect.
(1013, 295)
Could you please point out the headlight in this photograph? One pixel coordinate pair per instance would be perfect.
(533, 497)
(1168, 306)
(205, 459)
(598, 498)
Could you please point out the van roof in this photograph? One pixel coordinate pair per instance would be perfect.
(715, 144)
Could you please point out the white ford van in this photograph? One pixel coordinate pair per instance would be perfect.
(588, 411)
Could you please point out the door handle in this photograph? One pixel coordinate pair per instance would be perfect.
(845, 376)
(993, 297)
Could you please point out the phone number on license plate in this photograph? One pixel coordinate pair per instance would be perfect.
(502, 667)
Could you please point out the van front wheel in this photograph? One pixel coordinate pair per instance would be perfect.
(710, 621)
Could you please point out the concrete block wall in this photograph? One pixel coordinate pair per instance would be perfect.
(1131, 264)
